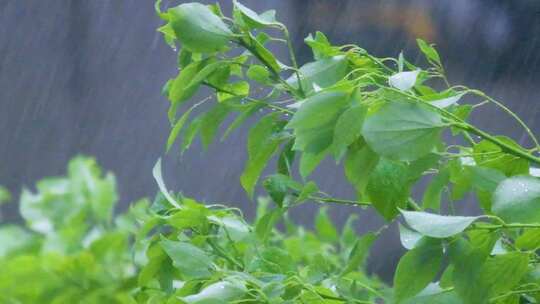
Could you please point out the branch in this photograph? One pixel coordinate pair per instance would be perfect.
(275, 73)
(465, 126)
(505, 226)
(514, 292)
(293, 60)
(270, 105)
(507, 110)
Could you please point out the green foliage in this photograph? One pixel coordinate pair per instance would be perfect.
(402, 131)
(417, 268)
(385, 118)
(390, 124)
(70, 250)
(198, 28)
(437, 226)
(220, 258)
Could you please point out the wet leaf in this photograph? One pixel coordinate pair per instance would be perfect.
(404, 81)
(517, 200)
(437, 226)
(402, 131)
(198, 28)
(417, 268)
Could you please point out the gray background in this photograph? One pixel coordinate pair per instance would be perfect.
(85, 77)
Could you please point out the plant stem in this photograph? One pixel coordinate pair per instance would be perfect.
(333, 298)
(293, 60)
(506, 226)
(275, 73)
(339, 201)
(461, 124)
(504, 146)
(507, 110)
(410, 203)
(514, 292)
(413, 205)
(224, 255)
(270, 105)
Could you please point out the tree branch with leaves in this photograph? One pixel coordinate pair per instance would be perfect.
(387, 123)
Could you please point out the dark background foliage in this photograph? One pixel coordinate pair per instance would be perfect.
(85, 77)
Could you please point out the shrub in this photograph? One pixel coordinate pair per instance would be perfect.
(385, 121)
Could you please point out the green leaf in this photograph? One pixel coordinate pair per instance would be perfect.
(460, 178)
(159, 13)
(467, 262)
(402, 131)
(236, 90)
(503, 272)
(255, 20)
(517, 200)
(437, 226)
(278, 185)
(246, 112)
(322, 73)
(404, 81)
(348, 233)
(360, 161)
(189, 259)
(234, 227)
(14, 238)
(348, 128)
(308, 189)
(5, 195)
(211, 121)
(529, 240)
(259, 74)
(432, 194)
(158, 177)
(186, 218)
(264, 54)
(388, 187)
(408, 238)
(185, 57)
(220, 77)
(434, 295)
(69, 203)
(220, 292)
(314, 140)
(310, 160)
(417, 268)
(446, 102)
(477, 278)
(191, 132)
(168, 35)
(418, 167)
(286, 158)
(490, 155)
(313, 126)
(198, 28)
(178, 128)
(320, 46)
(324, 226)
(262, 144)
(318, 110)
(401, 61)
(484, 181)
(359, 253)
(186, 84)
(463, 112)
(429, 51)
(266, 223)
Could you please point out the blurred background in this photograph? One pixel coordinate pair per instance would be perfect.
(85, 77)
